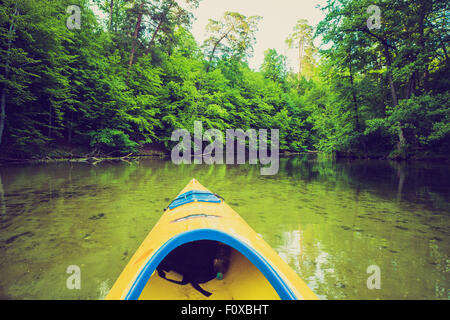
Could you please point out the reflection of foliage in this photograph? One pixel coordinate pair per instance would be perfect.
(382, 178)
(333, 218)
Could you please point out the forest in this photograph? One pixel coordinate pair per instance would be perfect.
(123, 82)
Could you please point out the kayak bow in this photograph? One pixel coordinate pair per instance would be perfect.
(255, 272)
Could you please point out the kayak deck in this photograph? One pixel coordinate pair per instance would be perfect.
(256, 271)
(243, 281)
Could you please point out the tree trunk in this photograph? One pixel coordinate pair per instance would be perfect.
(401, 137)
(355, 102)
(70, 128)
(135, 36)
(444, 49)
(215, 48)
(50, 121)
(154, 36)
(381, 84)
(386, 45)
(211, 56)
(158, 28)
(300, 57)
(12, 29)
(3, 112)
(389, 74)
(111, 7)
(426, 73)
(410, 85)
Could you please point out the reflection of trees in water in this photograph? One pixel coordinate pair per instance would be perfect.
(399, 182)
(332, 251)
(348, 211)
(2, 198)
(415, 182)
(290, 249)
(304, 251)
(319, 276)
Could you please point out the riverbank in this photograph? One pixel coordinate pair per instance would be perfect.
(408, 156)
(93, 156)
(82, 154)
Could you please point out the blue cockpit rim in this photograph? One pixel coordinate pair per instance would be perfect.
(194, 196)
(282, 289)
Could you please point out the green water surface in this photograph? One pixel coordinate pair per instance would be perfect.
(330, 220)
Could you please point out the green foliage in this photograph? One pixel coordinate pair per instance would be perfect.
(387, 95)
(274, 66)
(426, 120)
(112, 140)
(135, 77)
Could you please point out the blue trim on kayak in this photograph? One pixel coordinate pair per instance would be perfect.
(251, 254)
(194, 195)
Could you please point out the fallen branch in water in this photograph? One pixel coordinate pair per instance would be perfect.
(93, 160)
(89, 158)
(127, 156)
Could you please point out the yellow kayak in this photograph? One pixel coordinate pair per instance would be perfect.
(195, 227)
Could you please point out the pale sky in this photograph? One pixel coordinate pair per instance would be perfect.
(279, 19)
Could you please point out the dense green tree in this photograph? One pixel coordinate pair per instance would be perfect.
(396, 60)
(232, 36)
(131, 79)
(302, 39)
(274, 66)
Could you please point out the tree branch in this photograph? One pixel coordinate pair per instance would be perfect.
(367, 31)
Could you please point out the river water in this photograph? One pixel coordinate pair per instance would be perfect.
(331, 221)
